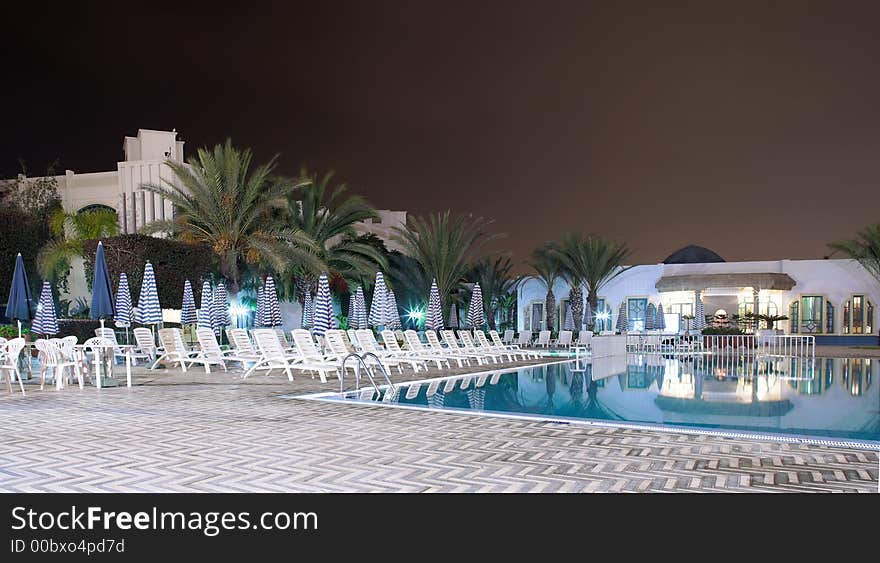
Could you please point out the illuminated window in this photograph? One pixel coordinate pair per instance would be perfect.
(811, 314)
(858, 316)
(829, 318)
(846, 317)
(636, 310)
(793, 316)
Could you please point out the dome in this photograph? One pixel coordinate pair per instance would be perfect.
(692, 254)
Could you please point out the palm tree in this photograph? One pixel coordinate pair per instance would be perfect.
(593, 260)
(445, 245)
(547, 268)
(224, 203)
(328, 216)
(865, 249)
(70, 231)
(496, 280)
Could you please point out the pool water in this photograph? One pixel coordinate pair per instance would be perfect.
(830, 399)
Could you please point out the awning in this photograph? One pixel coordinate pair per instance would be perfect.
(698, 282)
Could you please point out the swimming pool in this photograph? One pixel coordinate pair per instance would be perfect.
(829, 401)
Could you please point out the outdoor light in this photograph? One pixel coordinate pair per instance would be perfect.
(416, 315)
(238, 310)
(603, 316)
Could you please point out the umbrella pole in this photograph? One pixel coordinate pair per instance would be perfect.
(19, 329)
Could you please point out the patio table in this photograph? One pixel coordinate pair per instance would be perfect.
(102, 350)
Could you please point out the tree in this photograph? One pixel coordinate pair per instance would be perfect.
(593, 260)
(445, 245)
(864, 249)
(328, 216)
(224, 203)
(496, 281)
(71, 230)
(547, 268)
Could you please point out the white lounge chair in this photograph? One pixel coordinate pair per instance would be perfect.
(243, 347)
(484, 344)
(416, 358)
(452, 345)
(211, 351)
(336, 347)
(272, 354)
(585, 339)
(414, 345)
(543, 339)
(467, 343)
(508, 336)
(514, 348)
(434, 343)
(145, 345)
(312, 359)
(370, 345)
(175, 351)
(353, 339)
(10, 353)
(525, 338)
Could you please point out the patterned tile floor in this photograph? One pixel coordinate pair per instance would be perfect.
(216, 433)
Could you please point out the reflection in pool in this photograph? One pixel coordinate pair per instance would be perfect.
(829, 398)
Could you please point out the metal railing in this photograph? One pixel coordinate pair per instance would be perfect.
(789, 345)
(361, 361)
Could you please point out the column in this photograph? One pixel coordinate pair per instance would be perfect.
(755, 293)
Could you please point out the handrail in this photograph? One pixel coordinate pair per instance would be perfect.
(361, 361)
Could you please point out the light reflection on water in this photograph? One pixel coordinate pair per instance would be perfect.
(811, 397)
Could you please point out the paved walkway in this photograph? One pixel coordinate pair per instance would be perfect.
(217, 433)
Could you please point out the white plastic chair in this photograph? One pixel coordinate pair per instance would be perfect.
(508, 336)
(53, 357)
(312, 358)
(414, 345)
(145, 345)
(210, 352)
(543, 339)
(525, 338)
(10, 353)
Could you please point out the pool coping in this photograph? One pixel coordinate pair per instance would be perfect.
(337, 398)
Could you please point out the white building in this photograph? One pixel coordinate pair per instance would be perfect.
(832, 299)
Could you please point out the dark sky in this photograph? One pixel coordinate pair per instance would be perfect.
(748, 127)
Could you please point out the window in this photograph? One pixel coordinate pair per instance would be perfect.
(534, 316)
(858, 316)
(564, 312)
(636, 311)
(95, 207)
(811, 314)
(793, 317)
(602, 316)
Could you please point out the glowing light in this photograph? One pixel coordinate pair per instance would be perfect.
(603, 316)
(416, 315)
(238, 310)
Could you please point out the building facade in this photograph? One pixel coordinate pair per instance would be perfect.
(833, 299)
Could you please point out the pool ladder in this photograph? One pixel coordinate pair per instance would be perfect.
(361, 361)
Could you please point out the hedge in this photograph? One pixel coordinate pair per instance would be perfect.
(173, 263)
(25, 233)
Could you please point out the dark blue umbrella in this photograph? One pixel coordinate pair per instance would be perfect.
(18, 306)
(102, 290)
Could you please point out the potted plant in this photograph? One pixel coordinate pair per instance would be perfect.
(687, 321)
(770, 321)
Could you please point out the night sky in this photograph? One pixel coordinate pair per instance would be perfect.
(747, 127)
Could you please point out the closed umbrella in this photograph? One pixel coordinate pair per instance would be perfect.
(258, 315)
(123, 315)
(569, 320)
(651, 317)
(660, 323)
(148, 310)
(18, 306)
(622, 324)
(361, 308)
(308, 310)
(271, 308)
(221, 309)
(45, 320)
(453, 316)
(392, 316)
(206, 310)
(475, 310)
(434, 317)
(700, 315)
(102, 291)
(323, 319)
(588, 315)
(378, 309)
(352, 311)
(188, 306)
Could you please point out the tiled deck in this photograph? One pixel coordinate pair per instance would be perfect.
(217, 433)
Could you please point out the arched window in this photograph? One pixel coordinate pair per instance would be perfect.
(96, 207)
(858, 315)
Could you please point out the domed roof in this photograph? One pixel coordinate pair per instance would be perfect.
(692, 254)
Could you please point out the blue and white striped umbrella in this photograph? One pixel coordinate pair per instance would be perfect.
(323, 319)
(588, 314)
(622, 324)
(700, 315)
(378, 308)
(361, 308)
(188, 306)
(271, 309)
(569, 320)
(453, 317)
(124, 312)
(651, 317)
(475, 310)
(206, 311)
(434, 315)
(660, 323)
(352, 311)
(308, 310)
(221, 308)
(45, 321)
(148, 310)
(258, 315)
(392, 317)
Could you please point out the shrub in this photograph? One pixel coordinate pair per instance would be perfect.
(722, 330)
(173, 263)
(11, 331)
(20, 232)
